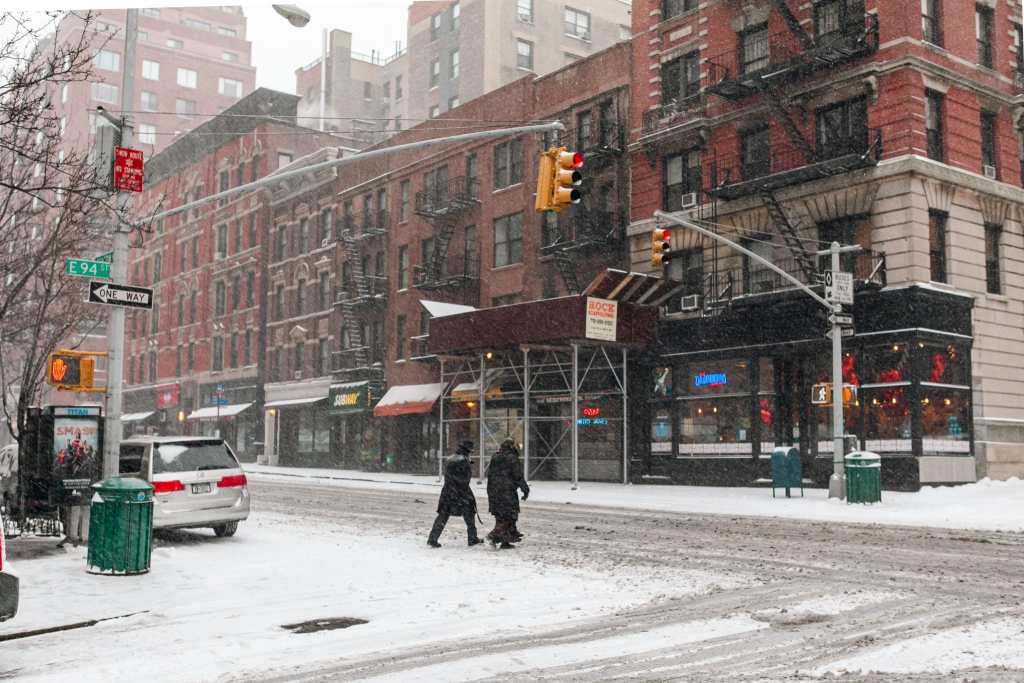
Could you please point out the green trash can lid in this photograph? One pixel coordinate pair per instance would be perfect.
(863, 457)
(126, 485)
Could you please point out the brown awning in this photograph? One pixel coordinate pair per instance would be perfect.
(635, 288)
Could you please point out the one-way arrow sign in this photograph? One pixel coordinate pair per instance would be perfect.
(120, 295)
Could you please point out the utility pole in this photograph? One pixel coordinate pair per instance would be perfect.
(119, 267)
(837, 482)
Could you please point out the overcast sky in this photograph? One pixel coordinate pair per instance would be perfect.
(278, 48)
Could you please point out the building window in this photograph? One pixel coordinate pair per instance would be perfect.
(154, 318)
(682, 180)
(185, 108)
(456, 11)
(754, 49)
(279, 302)
(993, 234)
(147, 134)
(400, 337)
(238, 236)
(222, 241)
(229, 87)
(279, 240)
(191, 356)
(937, 244)
(247, 348)
(435, 72)
(219, 298)
(158, 266)
(324, 291)
(524, 54)
(218, 353)
(524, 9)
(177, 362)
(283, 159)
(300, 298)
(303, 245)
(175, 44)
(584, 129)
(933, 118)
(842, 128)
(755, 153)
(988, 145)
(403, 267)
(149, 101)
(252, 230)
(471, 175)
(577, 23)
(453, 102)
(435, 26)
(181, 311)
(435, 111)
(325, 227)
(152, 366)
(680, 78)
(108, 61)
(236, 291)
(983, 21)
(931, 18)
(508, 240)
(275, 364)
(229, 56)
(233, 352)
(508, 164)
(403, 203)
(198, 24)
(250, 288)
(398, 87)
(104, 92)
(192, 301)
(673, 8)
(367, 90)
(225, 31)
(187, 78)
(453, 64)
(386, 90)
(150, 12)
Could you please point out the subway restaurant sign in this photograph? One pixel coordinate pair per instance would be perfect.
(348, 398)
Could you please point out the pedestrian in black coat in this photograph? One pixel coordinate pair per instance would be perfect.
(456, 496)
(504, 480)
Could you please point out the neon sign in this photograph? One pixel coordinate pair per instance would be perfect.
(591, 411)
(710, 379)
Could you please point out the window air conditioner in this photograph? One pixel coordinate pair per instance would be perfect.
(990, 172)
(689, 200)
(690, 302)
(298, 374)
(325, 242)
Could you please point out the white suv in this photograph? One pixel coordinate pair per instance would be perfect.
(197, 481)
(8, 582)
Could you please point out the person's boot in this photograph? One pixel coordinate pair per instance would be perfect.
(475, 541)
(505, 545)
(432, 543)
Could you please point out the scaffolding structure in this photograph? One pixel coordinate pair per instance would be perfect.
(534, 394)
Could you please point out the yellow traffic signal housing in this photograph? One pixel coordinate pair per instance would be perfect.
(558, 179)
(73, 370)
(545, 177)
(661, 245)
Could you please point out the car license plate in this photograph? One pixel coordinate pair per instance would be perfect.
(200, 488)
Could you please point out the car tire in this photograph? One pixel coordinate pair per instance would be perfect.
(226, 530)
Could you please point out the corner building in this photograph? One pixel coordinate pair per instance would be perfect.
(786, 126)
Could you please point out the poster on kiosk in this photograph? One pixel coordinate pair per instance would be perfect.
(76, 451)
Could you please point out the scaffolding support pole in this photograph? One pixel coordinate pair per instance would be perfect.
(625, 421)
(440, 428)
(575, 415)
(526, 414)
(480, 416)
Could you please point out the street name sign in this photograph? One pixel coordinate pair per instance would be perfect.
(106, 257)
(127, 169)
(120, 295)
(79, 267)
(839, 287)
(841, 319)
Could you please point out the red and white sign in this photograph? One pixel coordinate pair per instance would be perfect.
(127, 169)
(602, 318)
(167, 396)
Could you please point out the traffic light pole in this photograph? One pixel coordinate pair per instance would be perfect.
(119, 271)
(837, 482)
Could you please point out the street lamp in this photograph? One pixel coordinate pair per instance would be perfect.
(298, 18)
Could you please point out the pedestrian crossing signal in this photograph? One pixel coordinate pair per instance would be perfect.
(72, 370)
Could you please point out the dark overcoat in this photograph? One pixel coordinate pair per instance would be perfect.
(504, 477)
(456, 497)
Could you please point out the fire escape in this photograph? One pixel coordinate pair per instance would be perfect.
(445, 205)
(360, 296)
(587, 227)
(768, 66)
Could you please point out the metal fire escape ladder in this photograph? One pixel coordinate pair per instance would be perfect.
(349, 313)
(806, 40)
(566, 265)
(790, 231)
(778, 103)
(445, 228)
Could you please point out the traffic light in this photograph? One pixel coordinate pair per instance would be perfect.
(661, 245)
(71, 370)
(558, 179)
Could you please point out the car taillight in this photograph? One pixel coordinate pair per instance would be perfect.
(167, 486)
(232, 480)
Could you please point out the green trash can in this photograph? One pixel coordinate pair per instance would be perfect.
(120, 527)
(863, 477)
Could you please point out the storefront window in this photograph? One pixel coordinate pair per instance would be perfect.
(661, 431)
(887, 364)
(945, 420)
(710, 378)
(314, 432)
(663, 382)
(938, 363)
(715, 426)
(887, 426)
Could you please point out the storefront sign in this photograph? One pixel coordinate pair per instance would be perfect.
(348, 398)
(167, 396)
(710, 379)
(591, 417)
(602, 318)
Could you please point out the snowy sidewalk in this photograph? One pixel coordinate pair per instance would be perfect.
(986, 505)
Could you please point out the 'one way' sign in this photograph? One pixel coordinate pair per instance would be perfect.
(120, 295)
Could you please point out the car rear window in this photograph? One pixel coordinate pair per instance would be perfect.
(191, 456)
(130, 461)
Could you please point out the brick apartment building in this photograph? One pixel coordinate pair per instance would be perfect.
(190, 63)
(458, 50)
(449, 224)
(192, 364)
(894, 125)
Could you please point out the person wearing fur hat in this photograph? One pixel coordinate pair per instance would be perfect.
(456, 496)
(504, 479)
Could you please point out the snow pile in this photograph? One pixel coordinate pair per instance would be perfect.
(215, 607)
(985, 505)
(993, 643)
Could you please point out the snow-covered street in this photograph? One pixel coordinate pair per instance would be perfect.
(594, 593)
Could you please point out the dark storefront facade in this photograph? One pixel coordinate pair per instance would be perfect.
(355, 434)
(228, 409)
(727, 389)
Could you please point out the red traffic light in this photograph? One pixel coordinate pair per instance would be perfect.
(665, 235)
(577, 160)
